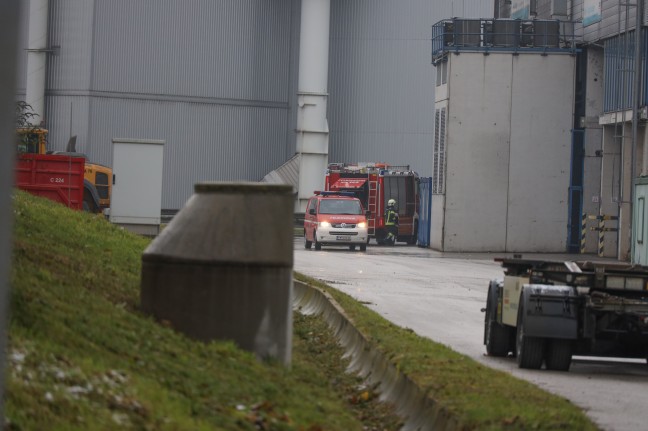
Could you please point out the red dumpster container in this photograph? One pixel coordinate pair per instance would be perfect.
(55, 177)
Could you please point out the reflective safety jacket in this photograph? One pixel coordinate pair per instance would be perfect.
(391, 217)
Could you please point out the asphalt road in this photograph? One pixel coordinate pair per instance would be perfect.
(440, 295)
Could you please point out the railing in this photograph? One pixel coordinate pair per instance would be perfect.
(505, 35)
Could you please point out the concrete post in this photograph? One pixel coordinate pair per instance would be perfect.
(222, 269)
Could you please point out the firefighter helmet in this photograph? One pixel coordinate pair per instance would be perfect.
(391, 203)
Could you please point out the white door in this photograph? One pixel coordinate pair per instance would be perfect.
(640, 226)
(137, 189)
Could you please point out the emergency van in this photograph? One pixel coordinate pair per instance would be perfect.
(335, 218)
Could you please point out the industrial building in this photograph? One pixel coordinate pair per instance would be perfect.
(608, 137)
(217, 80)
(557, 172)
(503, 112)
(220, 82)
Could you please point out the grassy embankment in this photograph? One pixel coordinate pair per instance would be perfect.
(82, 356)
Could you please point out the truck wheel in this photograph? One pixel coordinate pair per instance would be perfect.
(318, 246)
(529, 350)
(88, 203)
(558, 355)
(307, 243)
(363, 247)
(496, 335)
(380, 236)
(352, 247)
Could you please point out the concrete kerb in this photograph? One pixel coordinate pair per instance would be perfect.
(418, 411)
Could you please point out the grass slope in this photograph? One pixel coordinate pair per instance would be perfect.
(82, 356)
(476, 396)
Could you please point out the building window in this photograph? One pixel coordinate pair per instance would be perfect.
(442, 73)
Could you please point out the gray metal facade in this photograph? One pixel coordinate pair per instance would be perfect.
(217, 80)
(381, 82)
(614, 14)
(619, 71)
(211, 78)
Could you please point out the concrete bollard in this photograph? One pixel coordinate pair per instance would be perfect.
(222, 269)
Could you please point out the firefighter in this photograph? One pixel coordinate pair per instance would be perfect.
(391, 221)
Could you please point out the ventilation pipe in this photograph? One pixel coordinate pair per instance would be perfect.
(312, 94)
(37, 58)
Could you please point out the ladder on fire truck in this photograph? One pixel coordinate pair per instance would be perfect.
(372, 203)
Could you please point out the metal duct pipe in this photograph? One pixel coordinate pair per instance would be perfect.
(37, 58)
(312, 95)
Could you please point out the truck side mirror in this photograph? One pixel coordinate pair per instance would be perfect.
(311, 211)
(367, 213)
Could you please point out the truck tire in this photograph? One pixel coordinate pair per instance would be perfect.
(307, 243)
(558, 354)
(89, 203)
(363, 247)
(380, 236)
(529, 350)
(318, 246)
(412, 239)
(496, 335)
(352, 247)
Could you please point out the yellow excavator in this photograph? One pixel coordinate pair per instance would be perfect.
(97, 184)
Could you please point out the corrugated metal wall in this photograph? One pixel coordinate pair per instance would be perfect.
(217, 79)
(71, 35)
(613, 18)
(381, 82)
(21, 59)
(202, 48)
(619, 71)
(214, 79)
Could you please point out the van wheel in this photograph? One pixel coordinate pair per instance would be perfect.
(307, 243)
(318, 246)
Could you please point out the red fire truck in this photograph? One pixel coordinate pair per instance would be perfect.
(374, 184)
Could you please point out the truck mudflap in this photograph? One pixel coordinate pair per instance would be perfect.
(549, 311)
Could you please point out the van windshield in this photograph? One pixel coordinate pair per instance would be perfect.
(340, 206)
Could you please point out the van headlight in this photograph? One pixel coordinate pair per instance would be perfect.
(324, 224)
(362, 225)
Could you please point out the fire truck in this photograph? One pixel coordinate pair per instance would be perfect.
(374, 184)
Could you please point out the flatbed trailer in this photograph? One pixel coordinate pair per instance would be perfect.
(544, 312)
